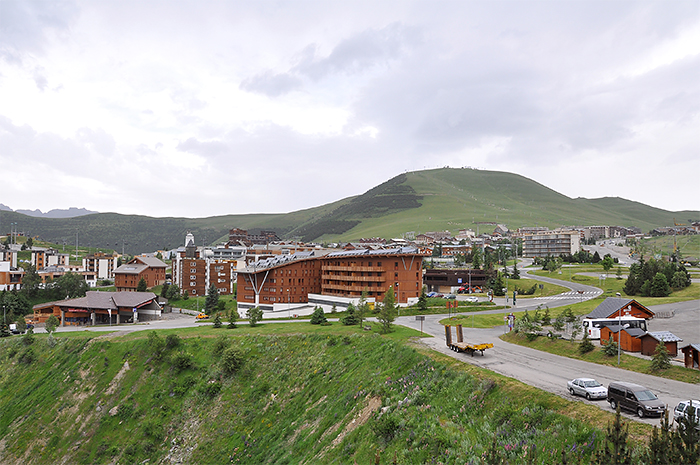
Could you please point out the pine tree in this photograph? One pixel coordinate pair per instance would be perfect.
(350, 317)
(615, 450)
(387, 312)
(142, 285)
(586, 345)
(233, 316)
(217, 321)
(212, 299)
(661, 359)
(318, 317)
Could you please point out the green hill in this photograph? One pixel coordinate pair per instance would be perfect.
(320, 395)
(441, 199)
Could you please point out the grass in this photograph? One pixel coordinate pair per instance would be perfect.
(301, 395)
(628, 362)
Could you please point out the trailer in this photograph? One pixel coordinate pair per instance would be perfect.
(460, 345)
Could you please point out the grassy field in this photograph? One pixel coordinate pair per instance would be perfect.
(293, 393)
(628, 362)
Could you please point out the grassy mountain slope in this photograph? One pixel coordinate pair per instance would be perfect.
(308, 396)
(440, 199)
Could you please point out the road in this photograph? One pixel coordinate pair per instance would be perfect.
(540, 369)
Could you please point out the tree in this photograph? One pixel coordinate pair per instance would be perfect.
(516, 273)
(212, 299)
(70, 285)
(233, 316)
(615, 450)
(387, 312)
(51, 324)
(607, 262)
(362, 307)
(661, 359)
(318, 317)
(142, 285)
(164, 290)
(477, 258)
(31, 281)
(619, 273)
(423, 301)
(596, 257)
(586, 345)
(217, 320)
(659, 286)
(21, 324)
(255, 314)
(173, 292)
(350, 317)
(30, 242)
(610, 349)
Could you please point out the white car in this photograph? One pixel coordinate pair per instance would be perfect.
(683, 409)
(471, 298)
(587, 387)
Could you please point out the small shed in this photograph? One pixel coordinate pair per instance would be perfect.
(652, 339)
(613, 307)
(691, 354)
(629, 341)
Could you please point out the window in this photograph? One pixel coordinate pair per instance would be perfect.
(193, 270)
(193, 276)
(193, 283)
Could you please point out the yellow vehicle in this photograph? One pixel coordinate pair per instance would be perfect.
(201, 316)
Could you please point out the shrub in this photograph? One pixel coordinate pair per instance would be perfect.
(232, 360)
(217, 321)
(350, 317)
(610, 348)
(51, 324)
(255, 314)
(27, 356)
(156, 345)
(661, 359)
(172, 341)
(220, 344)
(586, 345)
(182, 361)
(318, 317)
(211, 389)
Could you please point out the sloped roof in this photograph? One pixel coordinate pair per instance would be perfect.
(153, 262)
(131, 268)
(610, 306)
(664, 336)
(108, 300)
(635, 332)
(694, 346)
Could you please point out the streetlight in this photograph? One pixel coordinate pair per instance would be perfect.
(289, 305)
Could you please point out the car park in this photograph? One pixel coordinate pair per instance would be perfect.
(636, 398)
(684, 409)
(588, 388)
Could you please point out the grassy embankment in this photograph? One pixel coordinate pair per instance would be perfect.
(302, 394)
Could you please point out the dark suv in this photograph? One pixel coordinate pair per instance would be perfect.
(635, 398)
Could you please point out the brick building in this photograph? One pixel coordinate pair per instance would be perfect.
(152, 270)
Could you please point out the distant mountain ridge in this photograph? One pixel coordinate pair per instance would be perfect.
(71, 212)
(410, 203)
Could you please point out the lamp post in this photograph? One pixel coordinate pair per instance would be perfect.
(289, 310)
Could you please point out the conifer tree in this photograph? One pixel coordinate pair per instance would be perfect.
(615, 450)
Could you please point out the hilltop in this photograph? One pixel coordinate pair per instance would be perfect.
(420, 201)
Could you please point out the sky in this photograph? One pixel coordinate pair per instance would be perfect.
(204, 108)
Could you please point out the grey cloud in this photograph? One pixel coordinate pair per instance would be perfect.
(272, 84)
(205, 149)
(364, 50)
(23, 25)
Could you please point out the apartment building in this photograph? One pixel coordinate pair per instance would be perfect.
(551, 243)
(101, 264)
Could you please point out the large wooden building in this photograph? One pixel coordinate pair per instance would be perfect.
(290, 279)
(152, 270)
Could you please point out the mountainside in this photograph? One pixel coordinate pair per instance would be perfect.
(238, 396)
(420, 201)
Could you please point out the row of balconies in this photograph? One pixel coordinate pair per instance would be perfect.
(332, 277)
(346, 288)
(352, 268)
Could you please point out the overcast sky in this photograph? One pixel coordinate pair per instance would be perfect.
(202, 108)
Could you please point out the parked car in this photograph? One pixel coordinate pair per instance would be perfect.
(201, 316)
(431, 294)
(636, 398)
(683, 410)
(471, 298)
(450, 296)
(587, 387)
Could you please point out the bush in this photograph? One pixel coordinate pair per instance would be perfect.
(661, 359)
(172, 341)
(217, 321)
(255, 314)
(350, 317)
(586, 345)
(220, 344)
(610, 348)
(318, 317)
(182, 361)
(232, 360)
(211, 389)
(156, 345)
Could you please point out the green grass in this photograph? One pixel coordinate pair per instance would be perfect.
(628, 362)
(298, 398)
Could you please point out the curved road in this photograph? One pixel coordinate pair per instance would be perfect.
(551, 372)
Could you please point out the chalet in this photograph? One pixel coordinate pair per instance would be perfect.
(613, 307)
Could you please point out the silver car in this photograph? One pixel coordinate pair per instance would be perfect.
(587, 387)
